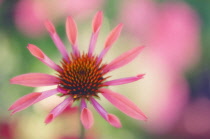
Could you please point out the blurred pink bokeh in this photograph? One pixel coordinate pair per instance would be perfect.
(194, 122)
(170, 32)
(171, 29)
(30, 15)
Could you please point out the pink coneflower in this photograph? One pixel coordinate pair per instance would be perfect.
(81, 76)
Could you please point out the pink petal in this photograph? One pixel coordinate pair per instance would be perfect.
(114, 120)
(56, 39)
(27, 99)
(123, 104)
(70, 110)
(58, 109)
(30, 99)
(87, 118)
(99, 108)
(110, 118)
(35, 80)
(97, 21)
(50, 27)
(113, 36)
(123, 59)
(124, 80)
(71, 30)
(83, 104)
(35, 51)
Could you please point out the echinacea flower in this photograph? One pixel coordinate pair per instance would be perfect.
(80, 77)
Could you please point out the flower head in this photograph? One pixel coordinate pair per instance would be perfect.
(80, 76)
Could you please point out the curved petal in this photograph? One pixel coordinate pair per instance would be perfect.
(114, 120)
(123, 104)
(110, 118)
(123, 59)
(96, 25)
(35, 51)
(29, 99)
(58, 109)
(124, 80)
(99, 108)
(86, 118)
(34, 80)
(112, 37)
(56, 39)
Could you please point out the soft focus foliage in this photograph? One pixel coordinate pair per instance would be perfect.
(174, 92)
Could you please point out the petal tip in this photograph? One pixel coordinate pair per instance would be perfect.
(114, 120)
(71, 30)
(49, 119)
(49, 26)
(140, 76)
(87, 118)
(97, 21)
(113, 36)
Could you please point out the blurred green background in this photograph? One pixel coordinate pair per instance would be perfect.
(174, 94)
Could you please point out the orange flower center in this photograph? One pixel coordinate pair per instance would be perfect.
(81, 77)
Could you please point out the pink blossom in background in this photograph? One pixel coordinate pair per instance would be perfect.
(7, 129)
(171, 29)
(165, 94)
(139, 17)
(1, 2)
(29, 15)
(194, 122)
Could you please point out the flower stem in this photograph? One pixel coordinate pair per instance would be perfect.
(82, 131)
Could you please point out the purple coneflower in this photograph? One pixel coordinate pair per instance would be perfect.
(80, 76)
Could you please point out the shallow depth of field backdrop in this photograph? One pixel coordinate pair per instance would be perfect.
(174, 94)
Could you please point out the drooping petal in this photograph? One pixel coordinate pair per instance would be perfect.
(123, 104)
(83, 104)
(58, 109)
(35, 51)
(34, 80)
(112, 37)
(114, 120)
(99, 108)
(96, 25)
(86, 118)
(56, 39)
(124, 80)
(30, 99)
(123, 59)
(110, 118)
(71, 31)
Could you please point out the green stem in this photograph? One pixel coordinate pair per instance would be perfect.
(82, 131)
